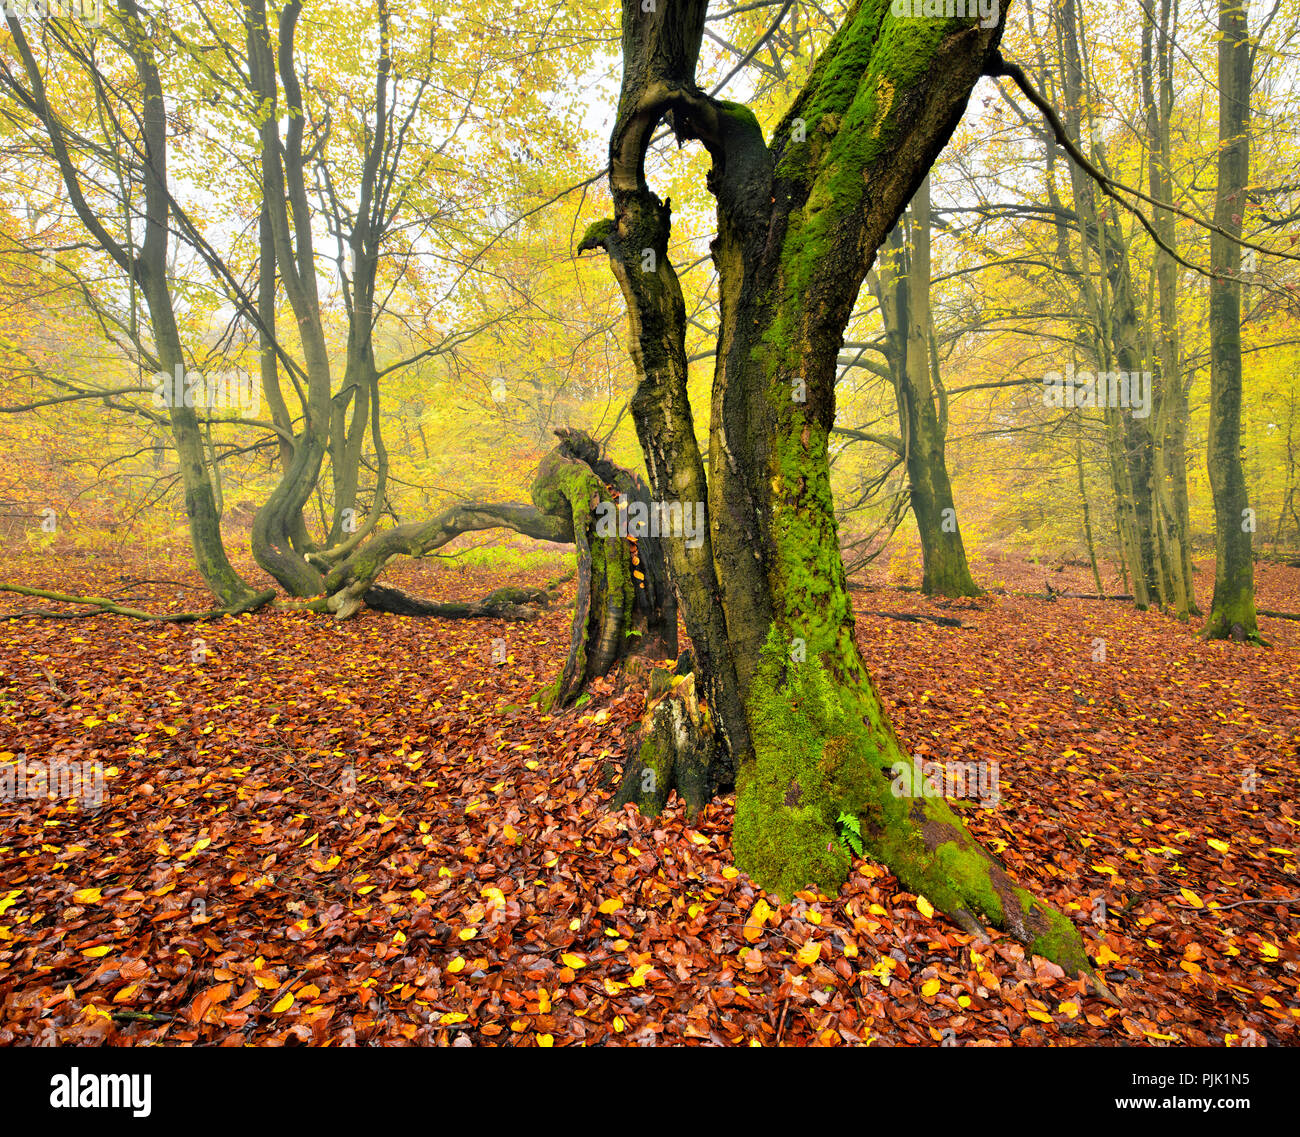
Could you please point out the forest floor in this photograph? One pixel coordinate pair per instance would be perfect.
(363, 833)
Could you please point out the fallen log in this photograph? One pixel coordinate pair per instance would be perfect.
(916, 618)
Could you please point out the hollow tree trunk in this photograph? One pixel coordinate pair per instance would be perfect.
(799, 223)
(625, 603)
(1232, 611)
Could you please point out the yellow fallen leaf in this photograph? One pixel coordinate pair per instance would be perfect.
(613, 904)
(1217, 845)
(638, 976)
(924, 907)
(456, 965)
(453, 1017)
(88, 895)
(809, 954)
(199, 845)
(283, 1003)
(756, 920)
(1191, 898)
(97, 952)
(569, 959)
(930, 988)
(545, 1040)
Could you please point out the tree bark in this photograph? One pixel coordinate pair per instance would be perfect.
(1232, 611)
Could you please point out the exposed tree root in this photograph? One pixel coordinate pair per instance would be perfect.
(917, 618)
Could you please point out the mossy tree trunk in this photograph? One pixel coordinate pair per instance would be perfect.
(1232, 612)
(795, 719)
(902, 285)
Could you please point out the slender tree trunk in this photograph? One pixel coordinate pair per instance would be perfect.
(1083, 504)
(1232, 611)
(1117, 336)
(148, 270)
(903, 276)
(1170, 470)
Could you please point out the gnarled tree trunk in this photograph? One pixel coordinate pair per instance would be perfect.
(625, 603)
(796, 721)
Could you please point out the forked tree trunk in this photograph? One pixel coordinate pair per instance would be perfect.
(789, 704)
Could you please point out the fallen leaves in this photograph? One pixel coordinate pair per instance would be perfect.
(309, 869)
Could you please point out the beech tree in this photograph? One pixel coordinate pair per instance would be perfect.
(781, 704)
(1232, 611)
(901, 284)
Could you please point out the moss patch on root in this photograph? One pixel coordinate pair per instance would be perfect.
(823, 747)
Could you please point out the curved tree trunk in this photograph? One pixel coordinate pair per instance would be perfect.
(799, 224)
(148, 269)
(279, 523)
(902, 281)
